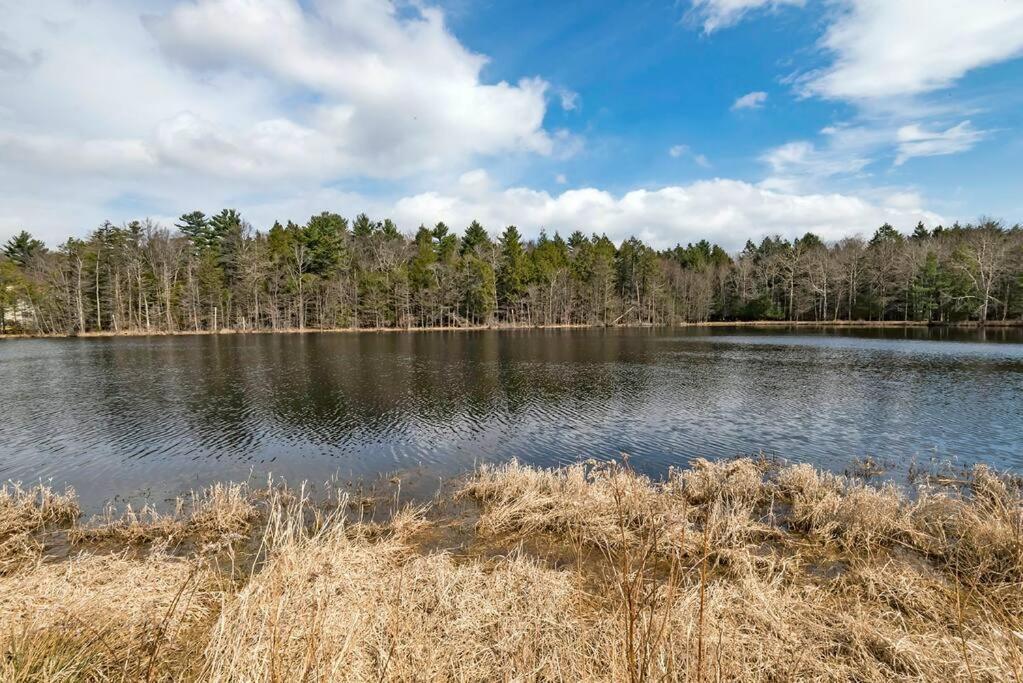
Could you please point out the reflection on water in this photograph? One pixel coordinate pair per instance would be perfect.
(115, 416)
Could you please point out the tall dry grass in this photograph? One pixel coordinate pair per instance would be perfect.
(24, 513)
(740, 570)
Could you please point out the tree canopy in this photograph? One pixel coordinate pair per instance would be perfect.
(217, 271)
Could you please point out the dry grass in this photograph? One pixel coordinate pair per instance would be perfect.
(102, 617)
(789, 572)
(334, 605)
(213, 517)
(24, 513)
(740, 570)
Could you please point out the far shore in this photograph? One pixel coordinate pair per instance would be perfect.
(894, 324)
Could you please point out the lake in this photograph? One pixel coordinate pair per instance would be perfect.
(149, 417)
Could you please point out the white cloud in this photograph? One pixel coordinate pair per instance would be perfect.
(798, 165)
(802, 154)
(256, 87)
(475, 182)
(569, 99)
(904, 201)
(267, 104)
(848, 150)
(48, 153)
(718, 14)
(722, 210)
(210, 100)
(679, 151)
(725, 211)
(265, 150)
(751, 100)
(560, 179)
(894, 48)
(885, 55)
(565, 144)
(396, 92)
(914, 141)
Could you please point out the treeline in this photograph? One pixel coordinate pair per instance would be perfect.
(211, 273)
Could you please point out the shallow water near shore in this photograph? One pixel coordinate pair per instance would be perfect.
(152, 417)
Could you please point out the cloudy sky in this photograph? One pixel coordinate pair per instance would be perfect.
(672, 120)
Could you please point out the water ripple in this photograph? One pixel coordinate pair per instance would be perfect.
(113, 416)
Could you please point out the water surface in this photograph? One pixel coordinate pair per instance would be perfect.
(131, 416)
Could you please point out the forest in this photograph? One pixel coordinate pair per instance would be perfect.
(218, 273)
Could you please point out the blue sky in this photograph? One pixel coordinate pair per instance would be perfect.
(672, 121)
(648, 77)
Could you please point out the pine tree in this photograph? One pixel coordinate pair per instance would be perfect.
(421, 270)
(920, 233)
(326, 234)
(479, 285)
(362, 226)
(511, 276)
(446, 243)
(474, 239)
(22, 247)
(196, 228)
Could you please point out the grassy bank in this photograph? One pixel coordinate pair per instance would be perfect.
(743, 570)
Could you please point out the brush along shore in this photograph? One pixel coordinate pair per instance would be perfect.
(509, 327)
(738, 570)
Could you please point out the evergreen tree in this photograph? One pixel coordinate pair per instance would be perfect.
(474, 239)
(362, 226)
(22, 247)
(446, 243)
(421, 270)
(928, 285)
(920, 233)
(326, 235)
(512, 273)
(886, 234)
(389, 230)
(218, 272)
(479, 285)
(197, 229)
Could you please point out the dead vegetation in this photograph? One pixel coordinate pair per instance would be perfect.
(217, 516)
(24, 514)
(737, 570)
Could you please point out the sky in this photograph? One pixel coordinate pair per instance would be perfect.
(672, 120)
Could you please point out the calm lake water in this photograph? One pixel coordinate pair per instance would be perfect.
(154, 416)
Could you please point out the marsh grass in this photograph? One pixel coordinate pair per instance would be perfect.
(25, 512)
(217, 515)
(738, 570)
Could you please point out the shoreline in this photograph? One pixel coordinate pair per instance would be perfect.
(832, 324)
(739, 570)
